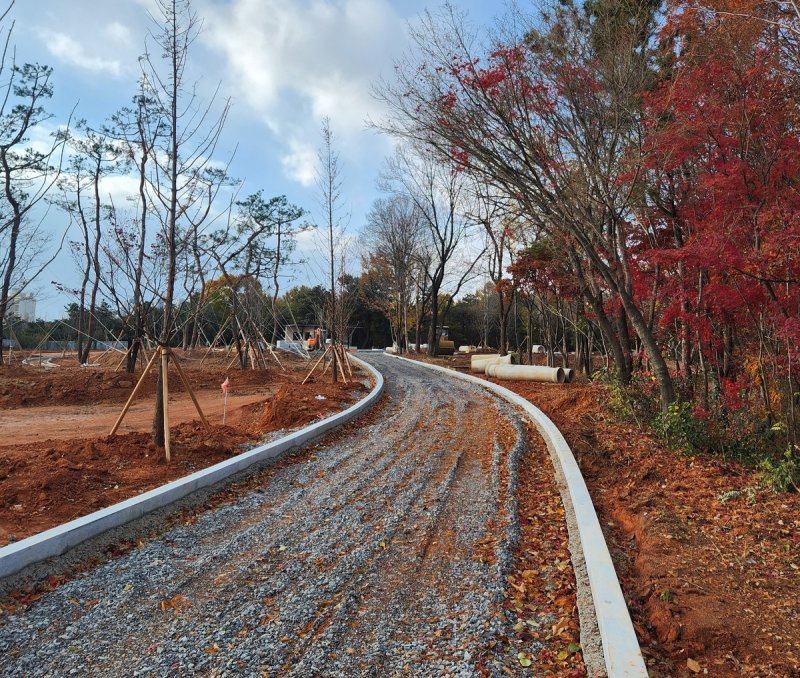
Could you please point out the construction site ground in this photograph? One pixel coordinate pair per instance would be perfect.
(708, 557)
(399, 544)
(58, 463)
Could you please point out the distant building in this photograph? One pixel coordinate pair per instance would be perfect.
(23, 306)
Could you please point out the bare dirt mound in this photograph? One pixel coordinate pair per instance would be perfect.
(294, 406)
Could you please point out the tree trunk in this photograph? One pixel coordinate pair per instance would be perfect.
(16, 223)
(503, 318)
(433, 334)
(648, 340)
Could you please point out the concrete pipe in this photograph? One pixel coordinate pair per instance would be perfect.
(569, 374)
(527, 373)
(478, 358)
(538, 348)
(479, 366)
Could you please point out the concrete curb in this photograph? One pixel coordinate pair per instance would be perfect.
(623, 657)
(58, 540)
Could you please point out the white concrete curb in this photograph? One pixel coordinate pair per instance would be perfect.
(58, 540)
(623, 657)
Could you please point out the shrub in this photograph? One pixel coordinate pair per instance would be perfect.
(682, 429)
(781, 474)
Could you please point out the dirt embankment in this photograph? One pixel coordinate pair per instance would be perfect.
(57, 461)
(710, 561)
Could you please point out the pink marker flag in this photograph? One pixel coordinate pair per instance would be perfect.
(225, 386)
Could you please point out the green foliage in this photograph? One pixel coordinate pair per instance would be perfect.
(680, 429)
(667, 596)
(734, 433)
(782, 474)
(637, 402)
(730, 495)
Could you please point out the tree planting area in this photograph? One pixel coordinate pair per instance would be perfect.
(58, 461)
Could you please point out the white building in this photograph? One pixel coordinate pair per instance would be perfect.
(23, 306)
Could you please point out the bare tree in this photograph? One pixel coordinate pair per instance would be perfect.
(329, 184)
(393, 234)
(27, 174)
(491, 211)
(437, 193)
(93, 156)
(138, 128)
(181, 156)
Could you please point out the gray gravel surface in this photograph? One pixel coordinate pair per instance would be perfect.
(370, 558)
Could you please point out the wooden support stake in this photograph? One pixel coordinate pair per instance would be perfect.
(338, 350)
(122, 360)
(347, 362)
(269, 348)
(165, 396)
(235, 358)
(133, 395)
(277, 359)
(342, 365)
(315, 366)
(185, 381)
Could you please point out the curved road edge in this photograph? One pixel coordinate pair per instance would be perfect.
(621, 651)
(58, 540)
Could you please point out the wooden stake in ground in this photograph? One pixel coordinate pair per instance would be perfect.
(164, 352)
(136, 388)
(338, 350)
(165, 395)
(335, 351)
(308, 376)
(185, 381)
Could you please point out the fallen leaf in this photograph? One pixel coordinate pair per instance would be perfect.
(693, 666)
(523, 659)
(177, 602)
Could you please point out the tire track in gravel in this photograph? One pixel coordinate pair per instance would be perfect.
(363, 560)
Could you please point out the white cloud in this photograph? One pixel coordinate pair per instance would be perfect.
(40, 137)
(296, 61)
(118, 33)
(300, 162)
(120, 188)
(70, 51)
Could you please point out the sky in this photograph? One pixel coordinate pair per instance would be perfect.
(285, 64)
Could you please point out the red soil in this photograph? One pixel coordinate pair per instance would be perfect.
(57, 461)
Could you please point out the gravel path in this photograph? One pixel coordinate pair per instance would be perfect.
(384, 553)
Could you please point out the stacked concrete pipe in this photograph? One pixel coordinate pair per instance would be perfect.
(479, 363)
(553, 375)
